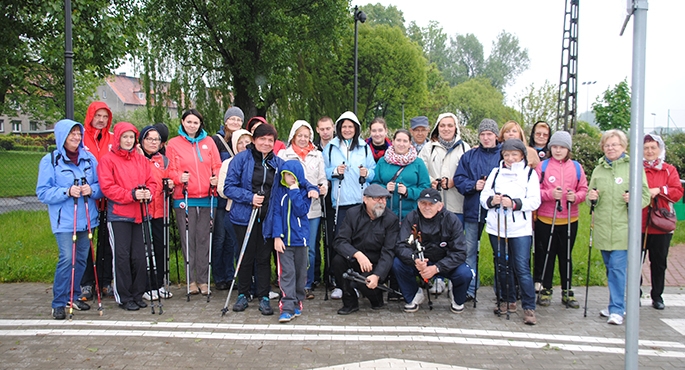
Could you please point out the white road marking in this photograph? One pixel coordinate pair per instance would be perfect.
(394, 363)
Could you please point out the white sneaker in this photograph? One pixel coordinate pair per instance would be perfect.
(146, 296)
(273, 295)
(604, 313)
(336, 293)
(456, 308)
(538, 287)
(413, 306)
(164, 293)
(615, 319)
(438, 286)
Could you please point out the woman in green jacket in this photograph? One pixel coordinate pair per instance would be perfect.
(610, 184)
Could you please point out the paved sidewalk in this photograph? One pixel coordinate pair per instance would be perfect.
(675, 271)
(194, 335)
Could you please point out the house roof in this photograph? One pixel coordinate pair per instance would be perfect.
(128, 88)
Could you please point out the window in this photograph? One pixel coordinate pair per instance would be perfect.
(2, 125)
(141, 96)
(33, 126)
(16, 126)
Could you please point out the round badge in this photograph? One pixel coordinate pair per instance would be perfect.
(182, 205)
(619, 180)
(443, 244)
(542, 154)
(552, 179)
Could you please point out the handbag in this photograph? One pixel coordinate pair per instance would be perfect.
(662, 219)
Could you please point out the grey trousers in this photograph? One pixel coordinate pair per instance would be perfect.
(292, 277)
(198, 249)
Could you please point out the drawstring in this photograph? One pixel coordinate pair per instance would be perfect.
(199, 155)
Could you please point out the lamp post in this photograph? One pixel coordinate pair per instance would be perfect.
(587, 97)
(654, 120)
(68, 63)
(359, 16)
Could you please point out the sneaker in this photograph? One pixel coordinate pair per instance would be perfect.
(204, 289)
(80, 305)
(165, 293)
(545, 297)
(222, 285)
(568, 299)
(59, 313)
(241, 304)
(456, 308)
(155, 296)
(298, 312)
(265, 307)
(274, 295)
(538, 287)
(108, 291)
(140, 303)
(86, 292)
(336, 293)
(192, 289)
(413, 306)
(308, 294)
(346, 310)
(438, 286)
(604, 313)
(130, 306)
(658, 305)
(615, 319)
(285, 317)
(529, 317)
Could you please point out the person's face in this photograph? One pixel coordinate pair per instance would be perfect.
(488, 139)
(289, 179)
(325, 130)
(420, 134)
(302, 136)
(127, 140)
(613, 148)
(191, 124)
(447, 128)
(429, 209)
(100, 119)
(652, 150)
(512, 156)
(151, 142)
(375, 206)
(378, 133)
(243, 142)
(402, 143)
(513, 133)
(73, 139)
(559, 152)
(233, 124)
(264, 144)
(541, 135)
(347, 129)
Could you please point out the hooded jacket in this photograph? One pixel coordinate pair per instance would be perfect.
(444, 163)
(289, 207)
(314, 169)
(56, 174)
(563, 175)
(159, 166)
(665, 177)
(543, 153)
(224, 167)
(98, 142)
(473, 166)
(121, 172)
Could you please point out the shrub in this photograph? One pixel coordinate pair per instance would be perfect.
(6, 142)
(675, 151)
(587, 152)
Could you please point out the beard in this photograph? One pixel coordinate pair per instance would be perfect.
(378, 210)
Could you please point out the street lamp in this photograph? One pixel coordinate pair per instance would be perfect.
(654, 124)
(587, 97)
(359, 16)
(68, 63)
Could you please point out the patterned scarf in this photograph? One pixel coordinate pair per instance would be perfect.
(447, 144)
(400, 159)
(656, 164)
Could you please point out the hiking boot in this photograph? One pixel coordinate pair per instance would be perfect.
(545, 298)
(80, 305)
(241, 304)
(568, 299)
(413, 306)
(86, 292)
(265, 307)
(285, 317)
(165, 293)
(141, 303)
(502, 308)
(59, 313)
(107, 291)
(308, 294)
(130, 306)
(192, 289)
(529, 317)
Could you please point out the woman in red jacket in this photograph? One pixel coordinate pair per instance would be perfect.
(122, 173)
(665, 189)
(194, 164)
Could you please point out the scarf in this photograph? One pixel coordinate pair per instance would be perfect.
(447, 144)
(73, 156)
(302, 152)
(194, 140)
(656, 164)
(400, 159)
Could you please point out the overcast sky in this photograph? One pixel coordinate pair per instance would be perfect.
(603, 55)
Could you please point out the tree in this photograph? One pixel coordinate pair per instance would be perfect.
(379, 14)
(476, 99)
(506, 61)
(613, 109)
(467, 57)
(537, 104)
(433, 41)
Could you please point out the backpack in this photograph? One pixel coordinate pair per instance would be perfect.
(546, 162)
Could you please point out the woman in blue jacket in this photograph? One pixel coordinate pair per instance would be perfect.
(65, 177)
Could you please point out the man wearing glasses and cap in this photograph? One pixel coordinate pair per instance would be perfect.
(365, 243)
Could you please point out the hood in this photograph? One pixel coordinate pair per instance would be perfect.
(235, 136)
(531, 140)
(434, 133)
(662, 146)
(253, 122)
(352, 117)
(348, 115)
(293, 167)
(62, 129)
(90, 113)
(119, 130)
(299, 123)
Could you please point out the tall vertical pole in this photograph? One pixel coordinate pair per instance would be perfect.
(637, 117)
(356, 35)
(68, 63)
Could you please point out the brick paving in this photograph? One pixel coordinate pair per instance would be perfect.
(675, 272)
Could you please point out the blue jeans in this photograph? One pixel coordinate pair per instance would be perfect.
(519, 258)
(223, 248)
(312, 243)
(473, 233)
(406, 279)
(61, 287)
(616, 263)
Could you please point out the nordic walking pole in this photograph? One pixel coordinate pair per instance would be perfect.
(146, 245)
(166, 220)
(399, 211)
(475, 292)
(420, 248)
(557, 208)
(175, 236)
(593, 203)
(340, 177)
(506, 258)
(185, 196)
(73, 256)
(326, 245)
(92, 249)
(250, 225)
(146, 202)
(568, 250)
(644, 242)
(497, 263)
(212, 189)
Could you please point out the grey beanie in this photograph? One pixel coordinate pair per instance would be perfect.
(514, 144)
(560, 138)
(488, 124)
(234, 111)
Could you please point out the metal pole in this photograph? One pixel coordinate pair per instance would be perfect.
(68, 63)
(635, 210)
(356, 35)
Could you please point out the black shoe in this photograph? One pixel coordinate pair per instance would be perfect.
(469, 298)
(141, 303)
(378, 306)
(346, 310)
(130, 306)
(80, 305)
(392, 296)
(59, 313)
(222, 286)
(265, 307)
(658, 305)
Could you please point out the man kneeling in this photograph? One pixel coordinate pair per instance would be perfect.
(431, 244)
(365, 244)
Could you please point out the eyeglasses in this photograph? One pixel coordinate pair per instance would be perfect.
(542, 134)
(611, 146)
(235, 119)
(153, 139)
(379, 199)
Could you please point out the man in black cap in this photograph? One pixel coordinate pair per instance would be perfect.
(419, 132)
(365, 244)
(431, 244)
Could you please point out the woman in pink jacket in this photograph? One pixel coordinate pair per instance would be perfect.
(563, 186)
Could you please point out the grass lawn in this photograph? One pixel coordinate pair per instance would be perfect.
(21, 169)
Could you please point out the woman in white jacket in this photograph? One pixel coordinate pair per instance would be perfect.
(301, 148)
(511, 193)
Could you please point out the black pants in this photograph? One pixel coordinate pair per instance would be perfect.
(558, 250)
(256, 256)
(130, 269)
(657, 245)
(103, 256)
(340, 265)
(160, 253)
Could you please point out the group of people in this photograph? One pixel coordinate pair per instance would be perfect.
(400, 214)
